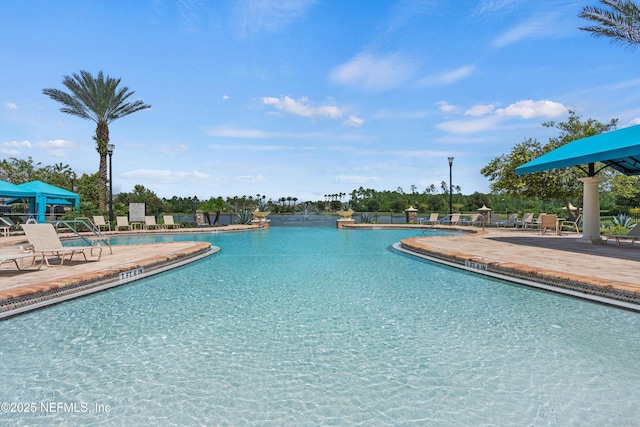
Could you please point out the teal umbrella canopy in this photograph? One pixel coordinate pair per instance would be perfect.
(619, 149)
(41, 192)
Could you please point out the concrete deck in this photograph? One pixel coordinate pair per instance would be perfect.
(553, 262)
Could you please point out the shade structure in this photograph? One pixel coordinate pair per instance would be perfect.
(619, 149)
(9, 191)
(39, 195)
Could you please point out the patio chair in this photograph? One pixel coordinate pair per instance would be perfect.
(474, 219)
(169, 222)
(632, 236)
(573, 224)
(494, 219)
(527, 219)
(122, 222)
(100, 223)
(433, 219)
(512, 221)
(45, 240)
(453, 219)
(548, 222)
(150, 223)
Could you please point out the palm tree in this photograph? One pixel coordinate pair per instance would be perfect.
(100, 100)
(622, 24)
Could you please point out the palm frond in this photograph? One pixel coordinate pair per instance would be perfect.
(621, 24)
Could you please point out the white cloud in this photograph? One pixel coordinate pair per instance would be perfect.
(269, 15)
(468, 125)
(302, 107)
(225, 97)
(446, 107)
(11, 106)
(164, 176)
(232, 132)
(635, 121)
(480, 110)
(56, 147)
(235, 147)
(448, 77)
(528, 109)
(17, 144)
(249, 178)
(353, 121)
(371, 73)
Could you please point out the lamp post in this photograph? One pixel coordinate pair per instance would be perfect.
(73, 182)
(450, 187)
(110, 148)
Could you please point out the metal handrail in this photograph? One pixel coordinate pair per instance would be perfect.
(86, 222)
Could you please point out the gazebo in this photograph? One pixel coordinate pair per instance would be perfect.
(39, 194)
(619, 149)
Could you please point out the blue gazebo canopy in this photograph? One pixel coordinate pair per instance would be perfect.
(40, 194)
(619, 149)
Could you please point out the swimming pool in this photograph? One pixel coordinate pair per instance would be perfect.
(318, 326)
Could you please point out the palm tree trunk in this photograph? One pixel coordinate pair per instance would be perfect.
(102, 139)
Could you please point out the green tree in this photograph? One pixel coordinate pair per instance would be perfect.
(140, 194)
(560, 184)
(100, 100)
(214, 204)
(18, 171)
(621, 23)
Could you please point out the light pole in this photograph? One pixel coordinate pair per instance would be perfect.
(450, 187)
(110, 148)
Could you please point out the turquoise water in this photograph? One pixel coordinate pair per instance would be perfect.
(318, 326)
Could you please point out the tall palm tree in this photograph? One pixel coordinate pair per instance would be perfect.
(100, 100)
(622, 24)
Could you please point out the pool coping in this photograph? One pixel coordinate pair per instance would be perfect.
(18, 300)
(609, 292)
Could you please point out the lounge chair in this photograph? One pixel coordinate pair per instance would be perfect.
(548, 222)
(150, 222)
(433, 219)
(100, 223)
(122, 222)
(5, 225)
(14, 257)
(632, 236)
(169, 222)
(511, 221)
(453, 219)
(573, 224)
(527, 220)
(45, 240)
(494, 219)
(473, 220)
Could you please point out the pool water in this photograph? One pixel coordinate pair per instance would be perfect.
(318, 326)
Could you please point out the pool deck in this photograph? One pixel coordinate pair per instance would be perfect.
(559, 263)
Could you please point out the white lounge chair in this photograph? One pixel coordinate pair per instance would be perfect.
(45, 240)
(5, 225)
(150, 222)
(122, 222)
(100, 223)
(15, 257)
(169, 222)
(473, 220)
(433, 219)
(453, 219)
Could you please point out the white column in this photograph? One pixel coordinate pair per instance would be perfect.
(591, 211)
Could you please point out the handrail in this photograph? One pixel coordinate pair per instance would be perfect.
(86, 222)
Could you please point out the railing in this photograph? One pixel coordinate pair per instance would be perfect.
(75, 224)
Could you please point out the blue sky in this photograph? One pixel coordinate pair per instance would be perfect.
(306, 98)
